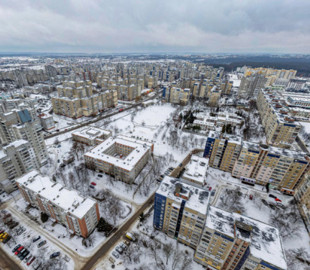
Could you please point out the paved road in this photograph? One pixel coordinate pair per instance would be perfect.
(117, 235)
(6, 262)
(99, 118)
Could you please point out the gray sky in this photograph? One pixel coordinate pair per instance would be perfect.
(241, 26)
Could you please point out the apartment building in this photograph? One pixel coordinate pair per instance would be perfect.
(302, 197)
(282, 168)
(214, 96)
(180, 210)
(196, 170)
(16, 159)
(77, 99)
(281, 128)
(122, 157)
(250, 85)
(79, 214)
(47, 121)
(231, 241)
(178, 95)
(91, 135)
(20, 125)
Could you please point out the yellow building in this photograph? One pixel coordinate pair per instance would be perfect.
(232, 241)
(281, 129)
(302, 196)
(180, 210)
(77, 99)
(178, 95)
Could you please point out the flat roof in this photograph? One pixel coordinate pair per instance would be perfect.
(265, 239)
(91, 132)
(198, 198)
(69, 200)
(140, 148)
(196, 169)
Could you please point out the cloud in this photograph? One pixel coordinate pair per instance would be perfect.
(155, 26)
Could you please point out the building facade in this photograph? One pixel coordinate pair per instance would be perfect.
(122, 157)
(80, 215)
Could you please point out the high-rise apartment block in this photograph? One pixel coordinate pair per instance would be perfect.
(16, 159)
(180, 210)
(302, 197)
(280, 127)
(122, 157)
(178, 95)
(79, 214)
(282, 168)
(221, 240)
(232, 241)
(77, 99)
(20, 125)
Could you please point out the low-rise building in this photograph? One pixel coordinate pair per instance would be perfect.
(91, 135)
(47, 121)
(233, 241)
(122, 157)
(79, 214)
(195, 170)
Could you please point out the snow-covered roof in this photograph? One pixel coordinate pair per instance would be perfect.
(69, 200)
(196, 169)
(196, 198)
(92, 133)
(17, 143)
(265, 242)
(139, 149)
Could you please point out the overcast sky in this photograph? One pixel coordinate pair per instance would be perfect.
(238, 26)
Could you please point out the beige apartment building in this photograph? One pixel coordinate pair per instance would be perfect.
(180, 210)
(302, 196)
(77, 99)
(123, 157)
(282, 168)
(79, 214)
(281, 129)
(178, 95)
(232, 241)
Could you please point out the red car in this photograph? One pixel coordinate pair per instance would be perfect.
(19, 250)
(31, 261)
(278, 200)
(93, 183)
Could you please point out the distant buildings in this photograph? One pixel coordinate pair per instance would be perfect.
(77, 99)
(178, 95)
(122, 157)
(80, 215)
(221, 240)
(281, 168)
(91, 135)
(280, 127)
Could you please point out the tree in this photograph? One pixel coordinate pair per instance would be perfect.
(44, 217)
(168, 250)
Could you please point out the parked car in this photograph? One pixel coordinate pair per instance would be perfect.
(99, 175)
(42, 243)
(7, 239)
(93, 183)
(28, 258)
(35, 239)
(91, 186)
(19, 250)
(31, 261)
(55, 254)
(16, 248)
(115, 254)
(130, 236)
(119, 249)
(25, 254)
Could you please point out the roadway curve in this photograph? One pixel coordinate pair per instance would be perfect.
(117, 235)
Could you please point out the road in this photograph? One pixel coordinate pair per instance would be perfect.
(117, 235)
(98, 118)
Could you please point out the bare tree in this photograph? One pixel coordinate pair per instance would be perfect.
(168, 250)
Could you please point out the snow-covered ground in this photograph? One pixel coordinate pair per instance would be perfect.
(42, 254)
